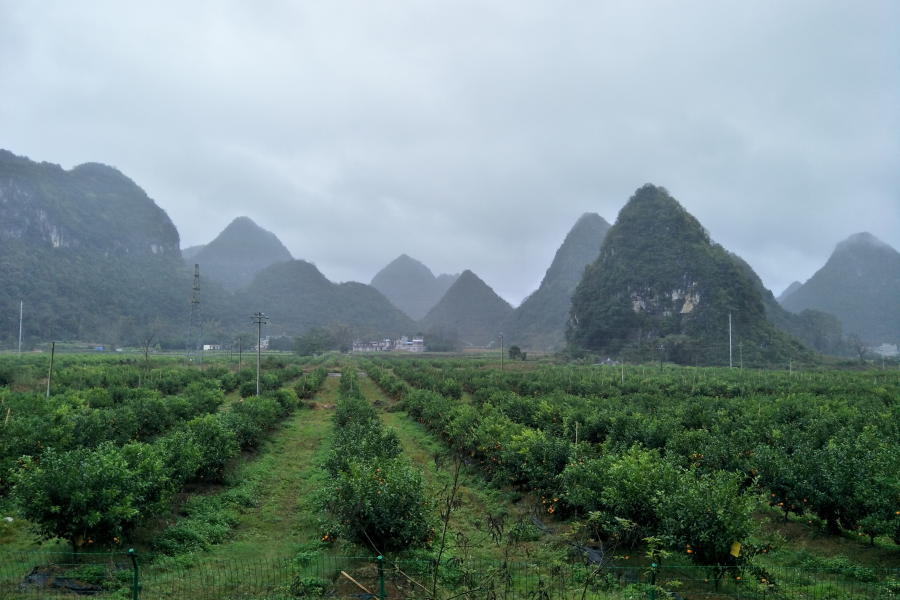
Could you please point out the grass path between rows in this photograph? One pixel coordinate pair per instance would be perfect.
(284, 475)
(479, 500)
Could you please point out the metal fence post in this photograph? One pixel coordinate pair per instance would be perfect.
(136, 583)
(653, 581)
(381, 595)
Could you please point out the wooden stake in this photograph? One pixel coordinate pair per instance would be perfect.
(344, 573)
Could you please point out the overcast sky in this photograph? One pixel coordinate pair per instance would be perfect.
(472, 134)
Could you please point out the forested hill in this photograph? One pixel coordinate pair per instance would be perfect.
(411, 286)
(297, 296)
(660, 281)
(540, 321)
(820, 331)
(191, 251)
(88, 252)
(789, 290)
(242, 250)
(471, 308)
(92, 206)
(860, 285)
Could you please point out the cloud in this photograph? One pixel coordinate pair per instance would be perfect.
(473, 134)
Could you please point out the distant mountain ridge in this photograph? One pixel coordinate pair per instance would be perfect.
(789, 290)
(297, 296)
(238, 253)
(471, 308)
(540, 321)
(191, 251)
(659, 281)
(818, 330)
(411, 286)
(860, 285)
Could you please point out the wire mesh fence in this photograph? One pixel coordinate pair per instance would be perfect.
(149, 577)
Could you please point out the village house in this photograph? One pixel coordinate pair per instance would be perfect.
(417, 344)
(402, 344)
(377, 346)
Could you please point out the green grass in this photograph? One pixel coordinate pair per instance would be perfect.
(479, 500)
(284, 474)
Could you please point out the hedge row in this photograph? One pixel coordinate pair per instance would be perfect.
(99, 496)
(820, 443)
(376, 498)
(86, 419)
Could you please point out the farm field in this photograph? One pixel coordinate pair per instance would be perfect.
(599, 471)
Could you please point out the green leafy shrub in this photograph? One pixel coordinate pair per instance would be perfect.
(247, 389)
(91, 497)
(380, 504)
(217, 443)
(309, 587)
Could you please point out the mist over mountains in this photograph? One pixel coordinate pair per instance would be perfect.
(473, 309)
(94, 258)
(540, 321)
(297, 296)
(411, 286)
(860, 285)
(242, 250)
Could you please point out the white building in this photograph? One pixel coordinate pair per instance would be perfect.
(403, 344)
(885, 350)
(378, 346)
(417, 344)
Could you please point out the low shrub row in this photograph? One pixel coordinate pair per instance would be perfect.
(308, 385)
(811, 442)
(99, 496)
(376, 497)
(392, 386)
(89, 418)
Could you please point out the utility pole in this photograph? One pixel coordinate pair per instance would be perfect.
(661, 350)
(260, 320)
(741, 349)
(240, 353)
(195, 318)
(730, 361)
(21, 305)
(501, 352)
(50, 371)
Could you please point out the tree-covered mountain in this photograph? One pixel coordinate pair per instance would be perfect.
(242, 250)
(789, 290)
(89, 253)
(191, 251)
(860, 285)
(540, 321)
(444, 281)
(818, 330)
(411, 286)
(660, 281)
(296, 296)
(472, 309)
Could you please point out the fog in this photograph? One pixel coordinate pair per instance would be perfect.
(472, 135)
